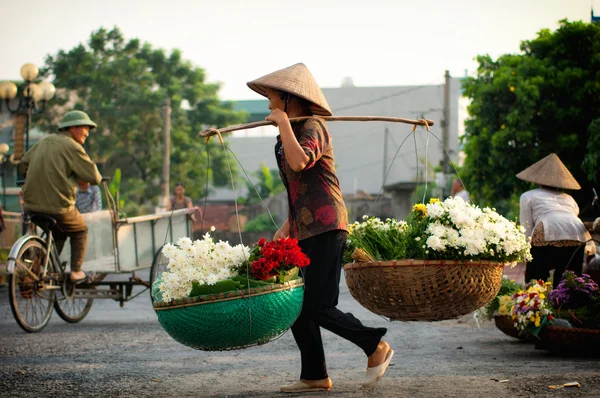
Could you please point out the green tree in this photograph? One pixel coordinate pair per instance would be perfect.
(123, 85)
(267, 184)
(528, 105)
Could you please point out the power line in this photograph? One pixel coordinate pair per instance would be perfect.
(379, 99)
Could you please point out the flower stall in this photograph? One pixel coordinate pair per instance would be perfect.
(221, 297)
(446, 260)
(500, 308)
(576, 310)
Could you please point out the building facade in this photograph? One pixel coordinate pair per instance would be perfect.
(370, 156)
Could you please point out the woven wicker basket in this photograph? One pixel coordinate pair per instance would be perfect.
(423, 290)
(561, 339)
(233, 320)
(506, 324)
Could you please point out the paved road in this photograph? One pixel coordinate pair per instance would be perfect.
(118, 352)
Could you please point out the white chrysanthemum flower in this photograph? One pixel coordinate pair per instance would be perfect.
(435, 210)
(201, 261)
(184, 243)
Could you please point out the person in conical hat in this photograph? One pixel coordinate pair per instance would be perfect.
(319, 220)
(550, 218)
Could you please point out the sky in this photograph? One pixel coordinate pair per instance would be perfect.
(375, 42)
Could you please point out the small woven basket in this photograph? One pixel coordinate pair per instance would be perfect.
(575, 340)
(233, 320)
(506, 324)
(423, 290)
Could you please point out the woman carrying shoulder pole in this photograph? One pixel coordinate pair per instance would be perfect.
(319, 220)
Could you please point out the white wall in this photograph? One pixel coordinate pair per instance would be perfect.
(359, 146)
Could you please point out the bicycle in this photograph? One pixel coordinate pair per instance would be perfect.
(39, 281)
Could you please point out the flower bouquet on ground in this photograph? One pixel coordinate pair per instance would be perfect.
(502, 303)
(577, 299)
(446, 260)
(499, 309)
(531, 309)
(576, 308)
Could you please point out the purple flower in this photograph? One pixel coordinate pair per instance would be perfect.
(574, 291)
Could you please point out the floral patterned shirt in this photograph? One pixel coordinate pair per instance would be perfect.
(314, 195)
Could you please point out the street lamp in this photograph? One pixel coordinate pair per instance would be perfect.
(34, 98)
(3, 159)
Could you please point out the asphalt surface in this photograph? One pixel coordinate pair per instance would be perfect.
(124, 352)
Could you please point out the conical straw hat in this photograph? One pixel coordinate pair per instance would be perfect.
(297, 80)
(551, 172)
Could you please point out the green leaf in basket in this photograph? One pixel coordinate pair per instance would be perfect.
(156, 293)
(245, 282)
(286, 276)
(534, 331)
(226, 285)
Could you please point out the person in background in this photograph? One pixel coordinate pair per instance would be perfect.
(52, 168)
(179, 200)
(550, 218)
(88, 198)
(318, 219)
(458, 190)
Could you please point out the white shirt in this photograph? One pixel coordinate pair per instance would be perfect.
(557, 211)
(464, 195)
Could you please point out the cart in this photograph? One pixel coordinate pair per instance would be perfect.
(126, 246)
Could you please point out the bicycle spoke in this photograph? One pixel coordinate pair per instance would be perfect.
(30, 302)
(25, 267)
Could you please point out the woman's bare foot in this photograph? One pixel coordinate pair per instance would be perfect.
(380, 354)
(77, 275)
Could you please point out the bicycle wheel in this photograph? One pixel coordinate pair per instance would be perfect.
(159, 265)
(71, 308)
(30, 300)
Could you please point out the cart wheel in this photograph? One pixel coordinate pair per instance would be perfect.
(30, 301)
(71, 308)
(159, 265)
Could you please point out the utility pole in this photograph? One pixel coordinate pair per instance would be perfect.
(385, 151)
(167, 155)
(446, 124)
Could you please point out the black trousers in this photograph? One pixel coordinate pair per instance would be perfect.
(321, 292)
(560, 259)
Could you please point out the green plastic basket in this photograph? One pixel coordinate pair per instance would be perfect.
(233, 320)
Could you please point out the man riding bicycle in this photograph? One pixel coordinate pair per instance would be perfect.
(53, 167)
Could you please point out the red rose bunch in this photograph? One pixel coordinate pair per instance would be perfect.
(269, 259)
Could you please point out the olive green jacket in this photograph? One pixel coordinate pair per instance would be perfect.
(52, 169)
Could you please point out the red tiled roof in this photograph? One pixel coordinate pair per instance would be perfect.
(222, 217)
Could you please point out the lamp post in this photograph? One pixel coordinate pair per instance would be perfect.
(33, 99)
(3, 159)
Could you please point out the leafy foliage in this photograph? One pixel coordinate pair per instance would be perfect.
(267, 184)
(123, 86)
(508, 287)
(525, 106)
(260, 223)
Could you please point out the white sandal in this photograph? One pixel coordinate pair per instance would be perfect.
(375, 373)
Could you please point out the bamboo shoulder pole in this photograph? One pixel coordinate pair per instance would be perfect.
(420, 122)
